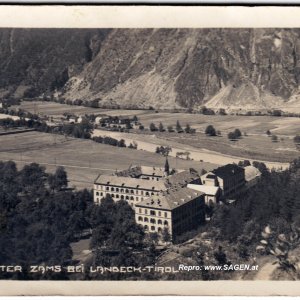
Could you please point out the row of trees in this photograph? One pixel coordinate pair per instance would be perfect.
(178, 128)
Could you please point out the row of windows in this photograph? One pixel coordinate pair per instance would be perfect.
(122, 197)
(152, 212)
(152, 228)
(126, 191)
(153, 221)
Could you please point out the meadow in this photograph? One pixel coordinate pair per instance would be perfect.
(254, 144)
(57, 109)
(83, 159)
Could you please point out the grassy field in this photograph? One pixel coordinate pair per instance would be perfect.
(287, 126)
(82, 159)
(57, 109)
(254, 144)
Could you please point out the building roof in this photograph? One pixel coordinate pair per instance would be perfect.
(182, 179)
(206, 189)
(251, 173)
(227, 170)
(170, 199)
(130, 182)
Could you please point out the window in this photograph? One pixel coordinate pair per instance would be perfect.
(137, 198)
(122, 190)
(159, 213)
(140, 210)
(146, 227)
(152, 212)
(131, 198)
(153, 228)
(117, 196)
(127, 191)
(159, 222)
(122, 197)
(166, 223)
(140, 218)
(112, 189)
(101, 194)
(152, 221)
(112, 195)
(117, 189)
(107, 188)
(146, 211)
(147, 193)
(146, 220)
(166, 215)
(159, 229)
(127, 197)
(132, 191)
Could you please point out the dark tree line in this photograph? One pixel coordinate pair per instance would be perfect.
(39, 218)
(274, 201)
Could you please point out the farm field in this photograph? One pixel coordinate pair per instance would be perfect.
(182, 143)
(57, 109)
(82, 159)
(288, 126)
(253, 143)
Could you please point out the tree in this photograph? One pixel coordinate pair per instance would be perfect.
(232, 136)
(222, 112)
(170, 128)
(121, 143)
(161, 127)
(166, 235)
(152, 127)
(187, 128)
(210, 130)
(178, 127)
(58, 180)
(274, 138)
(237, 133)
(220, 256)
(260, 166)
(297, 140)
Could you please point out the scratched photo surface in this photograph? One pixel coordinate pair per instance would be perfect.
(150, 154)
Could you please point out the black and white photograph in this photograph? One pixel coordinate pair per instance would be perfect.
(150, 154)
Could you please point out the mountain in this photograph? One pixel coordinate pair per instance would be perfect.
(163, 68)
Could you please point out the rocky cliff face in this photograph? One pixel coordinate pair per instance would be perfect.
(249, 68)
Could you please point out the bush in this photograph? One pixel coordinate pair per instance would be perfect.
(232, 136)
(152, 127)
(297, 139)
(210, 130)
(274, 138)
